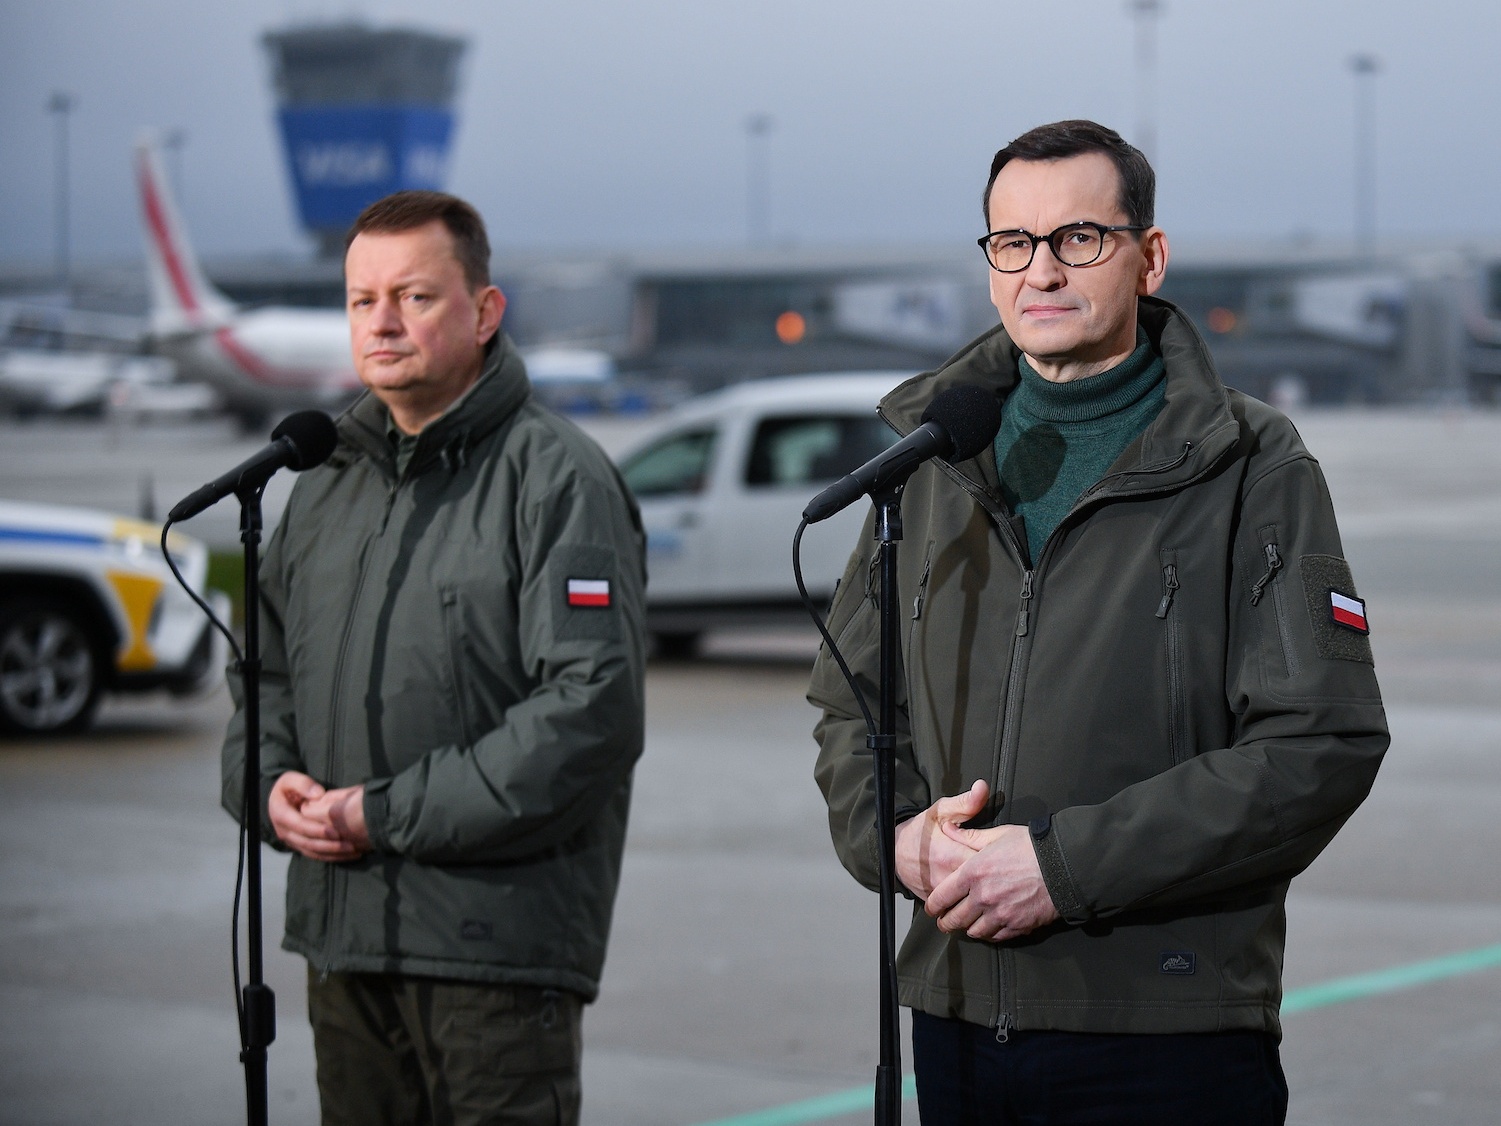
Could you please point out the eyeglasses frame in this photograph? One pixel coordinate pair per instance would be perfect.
(1102, 228)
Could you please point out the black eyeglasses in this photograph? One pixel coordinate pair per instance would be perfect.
(1077, 244)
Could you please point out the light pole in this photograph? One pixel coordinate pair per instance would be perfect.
(1365, 67)
(1146, 13)
(174, 141)
(758, 178)
(61, 104)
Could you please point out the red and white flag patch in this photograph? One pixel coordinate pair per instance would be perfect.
(1348, 612)
(589, 592)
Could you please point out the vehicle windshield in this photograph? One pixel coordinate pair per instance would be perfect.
(807, 449)
(676, 465)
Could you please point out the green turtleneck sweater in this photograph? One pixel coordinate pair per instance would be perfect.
(1057, 439)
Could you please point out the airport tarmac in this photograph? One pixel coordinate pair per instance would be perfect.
(741, 983)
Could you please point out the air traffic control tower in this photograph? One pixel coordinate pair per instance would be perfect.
(363, 113)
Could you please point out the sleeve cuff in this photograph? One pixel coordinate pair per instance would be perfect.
(1055, 873)
(378, 813)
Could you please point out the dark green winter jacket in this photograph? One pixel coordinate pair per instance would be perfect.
(420, 637)
(1167, 685)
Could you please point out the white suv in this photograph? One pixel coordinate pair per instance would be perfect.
(722, 483)
(87, 605)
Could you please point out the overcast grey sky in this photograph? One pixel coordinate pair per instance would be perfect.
(622, 124)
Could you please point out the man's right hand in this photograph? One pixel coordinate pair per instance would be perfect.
(315, 839)
(925, 855)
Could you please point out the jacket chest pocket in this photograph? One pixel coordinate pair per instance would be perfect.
(458, 659)
(1171, 614)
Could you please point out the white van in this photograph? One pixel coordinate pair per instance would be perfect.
(722, 483)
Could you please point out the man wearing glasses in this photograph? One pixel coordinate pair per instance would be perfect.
(1139, 695)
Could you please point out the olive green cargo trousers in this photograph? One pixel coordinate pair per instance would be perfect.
(413, 1051)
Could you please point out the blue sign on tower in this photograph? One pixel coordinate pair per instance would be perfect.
(363, 113)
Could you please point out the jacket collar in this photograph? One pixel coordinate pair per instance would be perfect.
(1194, 430)
(501, 388)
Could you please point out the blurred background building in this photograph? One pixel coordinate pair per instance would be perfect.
(363, 112)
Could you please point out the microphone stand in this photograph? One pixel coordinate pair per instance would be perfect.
(888, 1106)
(258, 1007)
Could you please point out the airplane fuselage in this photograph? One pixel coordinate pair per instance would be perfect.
(270, 359)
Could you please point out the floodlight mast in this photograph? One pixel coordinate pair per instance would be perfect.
(1146, 13)
(758, 128)
(61, 104)
(1365, 66)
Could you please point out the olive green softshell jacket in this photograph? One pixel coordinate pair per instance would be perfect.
(1165, 683)
(418, 638)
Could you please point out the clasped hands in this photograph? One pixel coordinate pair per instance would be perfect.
(984, 882)
(318, 823)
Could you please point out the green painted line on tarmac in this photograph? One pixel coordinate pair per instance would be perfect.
(819, 1109)
(1335, 992)
(1343, 989)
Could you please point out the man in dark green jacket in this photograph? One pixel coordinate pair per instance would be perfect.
(452, 702)
(1138, 694)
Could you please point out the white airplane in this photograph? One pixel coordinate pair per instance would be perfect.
(263, 361)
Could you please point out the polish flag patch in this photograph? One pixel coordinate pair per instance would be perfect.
(588, 592)
(1348, 612)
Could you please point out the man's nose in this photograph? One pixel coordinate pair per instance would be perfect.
(1045, 272)
(385, 317)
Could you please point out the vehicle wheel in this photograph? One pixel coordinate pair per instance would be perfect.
(50, 673)
(677, 646)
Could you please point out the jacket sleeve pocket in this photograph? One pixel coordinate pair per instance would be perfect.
(582, 593)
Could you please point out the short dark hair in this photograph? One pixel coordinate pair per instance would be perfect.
(406, 211)
(1064, 139)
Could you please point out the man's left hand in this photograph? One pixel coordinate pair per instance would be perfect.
(344, 810)
(996, 894)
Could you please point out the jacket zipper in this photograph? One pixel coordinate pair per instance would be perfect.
(1169, 588)
(335, 872)
(1274, 567)
(453, 634)
(1177, 719)
(1004, 768)
(922, 584)
(1003, 1028)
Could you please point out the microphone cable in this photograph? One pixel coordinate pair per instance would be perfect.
(234, 915)
(813, 612)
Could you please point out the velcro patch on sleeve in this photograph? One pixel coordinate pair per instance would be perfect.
(1337, 614)
(589, 592)
(582, 592)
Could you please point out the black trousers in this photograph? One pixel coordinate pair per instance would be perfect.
(411, 1051)
(966, 1077)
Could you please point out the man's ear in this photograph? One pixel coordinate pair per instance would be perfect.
(1154, 254)
(490, 304)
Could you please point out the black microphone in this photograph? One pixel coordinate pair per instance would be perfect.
(300, 441)
(958, 424)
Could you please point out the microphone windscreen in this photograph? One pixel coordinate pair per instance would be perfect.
(971, 415)
(312, 433)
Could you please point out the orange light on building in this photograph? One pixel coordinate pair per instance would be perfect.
(1222, 320)
(791, 327)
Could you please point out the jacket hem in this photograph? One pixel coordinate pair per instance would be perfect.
(492, 973)
(1125, 1016)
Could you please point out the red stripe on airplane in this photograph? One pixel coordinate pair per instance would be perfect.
(255, 367)
(259, 371)
(156, 219)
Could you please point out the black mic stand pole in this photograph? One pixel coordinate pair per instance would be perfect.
(259, 1002)
(888, 1110)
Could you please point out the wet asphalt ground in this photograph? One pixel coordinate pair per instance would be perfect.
(741, 978)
